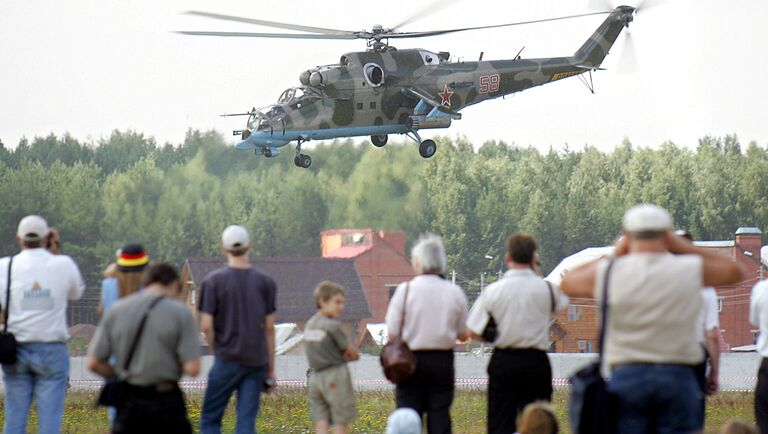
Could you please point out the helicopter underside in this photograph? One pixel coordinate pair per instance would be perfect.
(259, 141)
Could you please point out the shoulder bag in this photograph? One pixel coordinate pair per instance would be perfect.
(7, 340)
(490, 332)
(590, 407)
(114, 393)
(397, 359)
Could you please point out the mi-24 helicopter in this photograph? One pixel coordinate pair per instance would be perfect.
(384, 90)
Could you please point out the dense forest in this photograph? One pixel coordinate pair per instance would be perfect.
(177, 199)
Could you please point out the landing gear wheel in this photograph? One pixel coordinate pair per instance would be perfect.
(379, 140)
(303, 161)
(427, 148)
(268, 152)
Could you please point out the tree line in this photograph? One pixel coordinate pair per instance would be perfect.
(177, 199)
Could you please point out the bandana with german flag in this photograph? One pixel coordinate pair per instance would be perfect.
(132, 258)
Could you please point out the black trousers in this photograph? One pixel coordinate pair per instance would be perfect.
(148, 411)
(430, 390)
(516, 378)
(761, 397)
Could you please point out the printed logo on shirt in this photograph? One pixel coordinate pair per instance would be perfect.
(37, 298)
(314, 335)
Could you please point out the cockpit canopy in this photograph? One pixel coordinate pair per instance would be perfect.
(266, 117)
(294, 95)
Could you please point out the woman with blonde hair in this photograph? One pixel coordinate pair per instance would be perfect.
(123, 277)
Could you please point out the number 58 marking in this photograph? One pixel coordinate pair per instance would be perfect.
(489, 83)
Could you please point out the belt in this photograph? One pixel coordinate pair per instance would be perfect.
(153, 389)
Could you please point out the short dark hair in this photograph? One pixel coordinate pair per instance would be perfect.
(162, 273)
(521, 247)
(326, 290)
(647, 235)
(239, 251)
(35, 244)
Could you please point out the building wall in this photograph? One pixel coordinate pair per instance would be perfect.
(583, 329)
(734, 316)
(379, 269)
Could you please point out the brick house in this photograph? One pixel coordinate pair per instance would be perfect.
(379, 258)
(575, 330)
(296, 279)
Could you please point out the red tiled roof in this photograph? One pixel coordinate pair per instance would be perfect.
(296, 279)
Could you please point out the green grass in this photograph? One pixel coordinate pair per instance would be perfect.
(288, 412)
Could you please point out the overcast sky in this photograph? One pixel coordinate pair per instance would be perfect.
(88, 67)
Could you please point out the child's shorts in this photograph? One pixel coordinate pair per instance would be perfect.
(331, 396)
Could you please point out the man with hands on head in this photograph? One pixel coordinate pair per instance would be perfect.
(654, 283)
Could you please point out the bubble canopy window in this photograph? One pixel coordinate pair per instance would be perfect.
(296, 94)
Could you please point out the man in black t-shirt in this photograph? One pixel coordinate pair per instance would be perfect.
(237, 316)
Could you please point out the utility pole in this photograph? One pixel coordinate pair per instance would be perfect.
(453, 277)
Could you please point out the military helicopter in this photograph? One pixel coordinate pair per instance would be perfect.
(385, 90)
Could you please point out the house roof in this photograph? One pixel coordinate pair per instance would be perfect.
(352, 251)
(296, 279)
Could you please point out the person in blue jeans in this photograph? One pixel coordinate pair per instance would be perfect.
(654, 284)
(41, 284)
(235, 301)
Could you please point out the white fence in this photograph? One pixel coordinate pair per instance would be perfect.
(738, 372)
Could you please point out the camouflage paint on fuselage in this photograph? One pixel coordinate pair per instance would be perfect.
(342, 100)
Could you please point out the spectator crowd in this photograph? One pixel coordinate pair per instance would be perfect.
(660, 351)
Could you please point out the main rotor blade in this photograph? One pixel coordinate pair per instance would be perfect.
(275, 24)
(432, 8)
(443, 32)
(271, 35)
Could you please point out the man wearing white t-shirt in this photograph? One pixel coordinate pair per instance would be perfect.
(758, 315)
(41, 284)
(654, 297)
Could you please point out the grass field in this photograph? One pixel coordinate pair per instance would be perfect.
(287, 412)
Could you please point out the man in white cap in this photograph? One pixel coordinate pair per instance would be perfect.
(237, 316)
(41, 284)
(653, 292)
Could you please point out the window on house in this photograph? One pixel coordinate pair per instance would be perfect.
(359, 106)
(574, 313)
(391, 289)
(373, 105)
(719, 304)
(585, 346)
(755, 335)
(192, 296)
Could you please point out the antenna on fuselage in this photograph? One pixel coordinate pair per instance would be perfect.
(517, 57)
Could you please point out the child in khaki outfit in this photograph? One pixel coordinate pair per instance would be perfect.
(331, 397)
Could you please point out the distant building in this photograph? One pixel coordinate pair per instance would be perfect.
(575, 329)
(296, 279)
(379, 258)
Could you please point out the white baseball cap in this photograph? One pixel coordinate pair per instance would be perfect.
(646, 218)
(235, 237)
(32, 228)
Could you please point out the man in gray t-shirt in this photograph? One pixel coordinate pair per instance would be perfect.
(168, 347)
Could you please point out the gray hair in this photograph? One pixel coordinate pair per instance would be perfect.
(428, 255)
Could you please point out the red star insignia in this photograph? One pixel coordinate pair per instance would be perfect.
(445, 96)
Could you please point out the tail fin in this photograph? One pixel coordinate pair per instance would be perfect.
(596, 48)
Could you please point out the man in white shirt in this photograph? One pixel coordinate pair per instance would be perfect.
(521, 304)
(758, 315)
(41, 284)
(654, 298)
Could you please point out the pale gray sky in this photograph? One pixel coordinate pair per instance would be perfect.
(88, 67)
